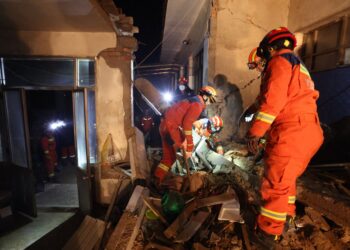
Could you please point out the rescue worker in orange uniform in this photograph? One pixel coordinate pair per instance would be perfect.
(209, 128)
(287, 113)
(48, 146)
(147, 122)
(183, 91)
(176, 128)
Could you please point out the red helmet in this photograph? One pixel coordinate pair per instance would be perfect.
(215, 124)
(217, 121)
(274, 35)
(182, 80)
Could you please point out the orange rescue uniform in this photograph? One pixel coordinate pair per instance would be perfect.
(178, 117)
(288, 114)
(48, 145)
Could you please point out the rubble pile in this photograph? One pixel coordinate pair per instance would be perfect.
(219, 211)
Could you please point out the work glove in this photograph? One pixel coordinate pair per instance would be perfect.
(253, 144)
(188, 155)
(160, 175)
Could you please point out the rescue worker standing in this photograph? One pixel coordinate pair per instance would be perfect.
(48, 146)
(147, 124)
(176, 128)
(183, 91)
(288, 114)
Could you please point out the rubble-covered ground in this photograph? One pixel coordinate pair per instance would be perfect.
(209, 221)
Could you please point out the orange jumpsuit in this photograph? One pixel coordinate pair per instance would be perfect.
(179, 116)
(288, 113)
(48, 145)
(147, 123)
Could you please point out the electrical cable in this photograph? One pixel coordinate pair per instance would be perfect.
(167, 37)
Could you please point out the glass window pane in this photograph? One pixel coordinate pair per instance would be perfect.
(16, 128)
(86, 72)
(92, 127)
(328, 37)
(309, 44)
(326, 61)
(39, 72)
(80, 129)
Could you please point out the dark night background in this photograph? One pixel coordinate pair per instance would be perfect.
(149, 18)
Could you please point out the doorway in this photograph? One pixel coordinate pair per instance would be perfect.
(52, 147)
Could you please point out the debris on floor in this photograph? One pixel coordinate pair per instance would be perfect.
(215, 206)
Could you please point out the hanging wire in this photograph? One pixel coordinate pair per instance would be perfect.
(167, 37)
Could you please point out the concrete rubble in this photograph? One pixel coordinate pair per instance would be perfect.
(219, 203)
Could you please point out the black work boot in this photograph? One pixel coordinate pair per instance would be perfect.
(289, 224)
(264, 240)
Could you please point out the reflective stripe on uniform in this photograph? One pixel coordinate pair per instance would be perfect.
(164, 167)
(291, 199)
(304, 70)
(46, 151)
(265, 117)
(188, 132)
(273, 215)
(51, 139)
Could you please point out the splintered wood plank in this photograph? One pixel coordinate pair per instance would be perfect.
(140, 168)
(333, 206)
(75, 242)
(192, 226)
(126, 230)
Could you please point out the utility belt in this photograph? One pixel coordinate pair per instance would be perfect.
(302, 118)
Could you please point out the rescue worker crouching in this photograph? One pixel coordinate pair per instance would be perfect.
(209, 129)
(287, 112)
(176, 128)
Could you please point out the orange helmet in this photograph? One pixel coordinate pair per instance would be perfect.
(253, 59)
(210, 92)
(274, 35)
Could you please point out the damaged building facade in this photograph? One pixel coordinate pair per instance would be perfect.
(111, 156)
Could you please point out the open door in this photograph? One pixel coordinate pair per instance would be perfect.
(23, 193)
(85, 134)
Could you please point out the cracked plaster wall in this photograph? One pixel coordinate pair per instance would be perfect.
(236, 28)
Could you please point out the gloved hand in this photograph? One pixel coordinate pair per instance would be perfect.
(160, 174)
(188, 155)
(253, 144)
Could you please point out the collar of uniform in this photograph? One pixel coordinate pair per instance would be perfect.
(283, 51)
(201, 99)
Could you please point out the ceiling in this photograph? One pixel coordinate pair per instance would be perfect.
(185, 21)
(51, 15)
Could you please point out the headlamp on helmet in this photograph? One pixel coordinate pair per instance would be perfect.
(209, 92)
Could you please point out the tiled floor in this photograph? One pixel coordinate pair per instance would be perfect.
(18, 232)
(54, 207)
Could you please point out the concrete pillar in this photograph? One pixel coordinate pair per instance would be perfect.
(190, 72)
(113, 102)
